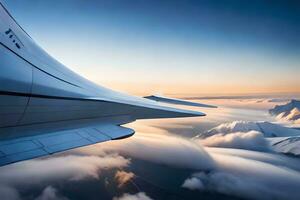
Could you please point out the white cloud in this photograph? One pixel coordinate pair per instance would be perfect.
(138, 196)
(193, 184)
(231, 184)
(267, 157)
(258, 136)
(70, 167)
(50, 193)
(251, 140)
(243, 173)
(238, 172)
(248, 178)
(163, 149)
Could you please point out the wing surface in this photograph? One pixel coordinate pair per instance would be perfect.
(14, 150)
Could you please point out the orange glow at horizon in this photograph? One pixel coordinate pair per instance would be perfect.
(187, 89)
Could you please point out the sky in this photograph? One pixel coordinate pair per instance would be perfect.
(172, 47)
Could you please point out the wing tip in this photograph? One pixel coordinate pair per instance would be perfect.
(163, 99)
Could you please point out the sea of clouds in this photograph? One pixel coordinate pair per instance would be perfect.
(241, 164)
(243, 173)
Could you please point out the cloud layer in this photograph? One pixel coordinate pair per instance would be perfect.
(242, 173)
(251, 178)
(71, 167)
(50, 193)
(251, 140)
(163, 149)
(138, 196)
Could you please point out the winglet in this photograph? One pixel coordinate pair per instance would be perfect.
(163, 99)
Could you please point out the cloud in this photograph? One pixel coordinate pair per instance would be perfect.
(193, 184)
(138, 196)
(251, 140)
(123, 177)
(248, 177)
(242, 173)
(164, 149)
(230, 184)
(70, 167)
(42, 171)
(258, 136)
(267, 157)
(50, 193)
(238, 172)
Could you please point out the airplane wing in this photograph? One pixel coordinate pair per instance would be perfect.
(46, 108)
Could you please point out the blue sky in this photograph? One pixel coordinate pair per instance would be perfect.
(184, 47)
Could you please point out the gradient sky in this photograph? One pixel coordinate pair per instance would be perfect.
(173, 47)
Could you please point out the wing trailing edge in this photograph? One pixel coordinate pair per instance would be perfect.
(24, 148)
